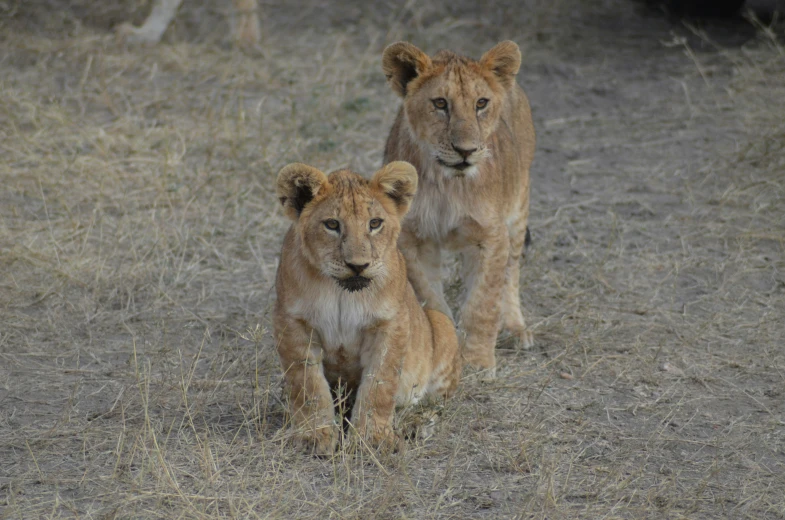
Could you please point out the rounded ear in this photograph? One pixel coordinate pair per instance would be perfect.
(503, 60)
(401, 63)
(297, 185)
(398, 181)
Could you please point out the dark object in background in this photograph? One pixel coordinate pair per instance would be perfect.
(704, 8)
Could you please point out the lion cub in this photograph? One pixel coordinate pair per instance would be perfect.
(345, 309)
(467, 128)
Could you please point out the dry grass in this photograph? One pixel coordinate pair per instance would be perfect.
(139, 237)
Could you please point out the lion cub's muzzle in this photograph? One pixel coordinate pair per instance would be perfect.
(354, 283)
(461, 163)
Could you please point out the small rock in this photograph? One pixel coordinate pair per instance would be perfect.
(668, 367)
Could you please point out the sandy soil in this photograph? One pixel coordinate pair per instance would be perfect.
(139, 235)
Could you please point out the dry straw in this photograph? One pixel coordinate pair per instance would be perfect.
(139, 235)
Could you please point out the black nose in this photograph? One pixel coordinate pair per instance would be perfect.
(465, 152)
(358, 269)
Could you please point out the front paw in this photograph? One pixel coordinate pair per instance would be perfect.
(518, 337)
(420, 422)
(525, 339)
(127, 33)
(380, 437)
(480, 358)
(320, 441)
(476, 372)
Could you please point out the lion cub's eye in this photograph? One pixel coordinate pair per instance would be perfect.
(332, 224)
(482, 103)
(440, 103)
(375, 223)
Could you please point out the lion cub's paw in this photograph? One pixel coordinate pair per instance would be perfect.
(380, 438)
(515, 338)
(524, 338)
(125, 33)
(420, 422)
(486, 375)
(320, 441)
(527, 339)
(483, 364)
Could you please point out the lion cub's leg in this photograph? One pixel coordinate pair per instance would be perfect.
(245, 28)
(481, 313)
(153, 27)
(310, 400)
(446, 355)
(512, 316)
(424, 270)
(381, 358)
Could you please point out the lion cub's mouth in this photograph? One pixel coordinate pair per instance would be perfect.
(354, 283)
(461, 166)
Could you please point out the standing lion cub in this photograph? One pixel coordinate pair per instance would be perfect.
(467, 128)
(345, 310)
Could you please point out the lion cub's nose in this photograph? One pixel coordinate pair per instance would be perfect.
(357, 268)
(465, 152)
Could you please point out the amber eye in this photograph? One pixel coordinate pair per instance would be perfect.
(375, 223)
(482, 103)
(440, 103)
(332, 224)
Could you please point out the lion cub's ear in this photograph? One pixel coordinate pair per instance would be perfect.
(504, 60)
(397, 180)
(401, 63)
(298, 184)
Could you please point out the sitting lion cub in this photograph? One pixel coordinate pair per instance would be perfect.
(345, 310)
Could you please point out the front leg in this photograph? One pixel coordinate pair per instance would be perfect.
(154, 26)
(310, 402)
(382, 360)
(424, 270)
(485, 266)
(246, 26)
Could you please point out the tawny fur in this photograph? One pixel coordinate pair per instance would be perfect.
(376, 339)
(473, 157)
(245, 23)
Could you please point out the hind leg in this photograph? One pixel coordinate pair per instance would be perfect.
(446, 355)
(512, 317)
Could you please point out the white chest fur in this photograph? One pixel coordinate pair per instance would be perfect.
(436, 209)
(339, 317)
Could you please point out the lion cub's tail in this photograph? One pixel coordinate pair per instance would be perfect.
(446, 355)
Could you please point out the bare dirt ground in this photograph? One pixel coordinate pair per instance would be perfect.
(139, 234)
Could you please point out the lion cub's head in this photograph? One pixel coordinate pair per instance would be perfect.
(453, 104)
(348, 226)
